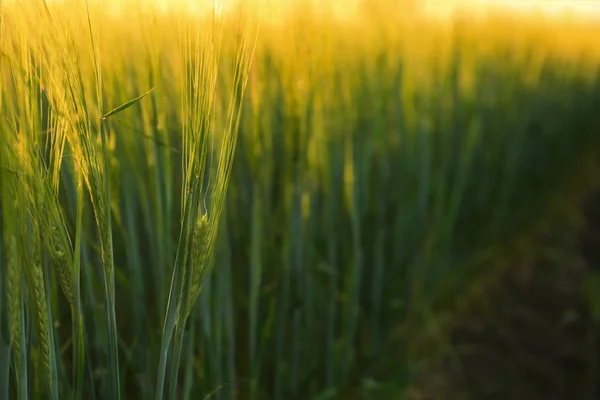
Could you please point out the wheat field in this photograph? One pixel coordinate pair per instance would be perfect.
(232, 205)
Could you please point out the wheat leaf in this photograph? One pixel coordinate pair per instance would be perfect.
(211, 394)
(125, 106)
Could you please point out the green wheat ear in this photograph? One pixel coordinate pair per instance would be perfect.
(38, 298)
(200, 256)
(62, 264)
(60, 254)
(14, 296)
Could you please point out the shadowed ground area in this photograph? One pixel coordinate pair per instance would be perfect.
(531, 334)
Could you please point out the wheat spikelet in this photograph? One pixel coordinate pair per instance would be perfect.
(182, 293)
(55, 244)
(61, 262)
(200, 252)
(101, 215)
(14, 296)
(36, 283)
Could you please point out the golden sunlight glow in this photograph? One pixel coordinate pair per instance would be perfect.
(194, 6)
(576, 9)
(555, 9)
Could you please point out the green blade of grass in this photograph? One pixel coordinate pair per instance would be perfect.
(255, 285)
(78, 327)
(173, 313)
(5, 340)
(211, 394)
(23, 374)
(5, 336)
(126, 105)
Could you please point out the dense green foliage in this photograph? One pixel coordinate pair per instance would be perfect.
(380, 167)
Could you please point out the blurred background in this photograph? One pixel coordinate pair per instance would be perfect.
(414, 204)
